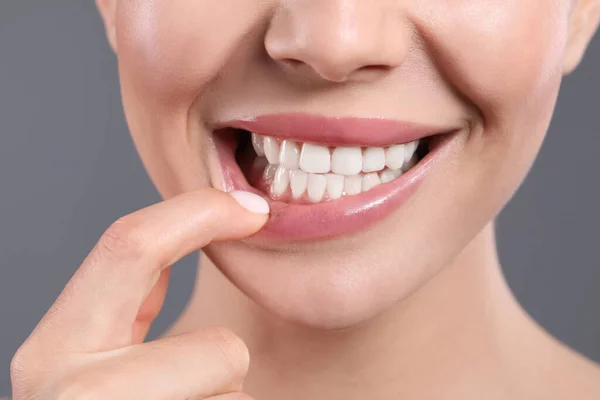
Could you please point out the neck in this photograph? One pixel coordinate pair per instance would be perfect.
(459, 328)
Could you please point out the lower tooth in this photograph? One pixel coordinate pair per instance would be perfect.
(387, 176)
(281, 181)
(298, 183)
(335, 186)
(352, 184)
(269, 172)
(370, 181)
(316, 187)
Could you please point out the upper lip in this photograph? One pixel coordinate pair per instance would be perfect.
(335, 130)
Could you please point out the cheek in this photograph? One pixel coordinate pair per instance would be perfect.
(169, 52)
(174, 48)
(503, 55)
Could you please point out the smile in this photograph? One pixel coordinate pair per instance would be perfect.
(326, 177)
(311, 173)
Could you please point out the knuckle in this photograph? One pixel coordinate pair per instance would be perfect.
(19, 367)
(123, 240)
(28, 372)
(231, 348)
(19, 361)
(25, 366)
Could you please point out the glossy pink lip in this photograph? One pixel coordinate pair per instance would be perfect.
(335, 131)
(349, 214)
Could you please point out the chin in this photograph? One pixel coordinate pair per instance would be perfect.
(337, 283)
(326, 294)
(340, 201)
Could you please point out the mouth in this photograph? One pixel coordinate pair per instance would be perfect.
(326, 177)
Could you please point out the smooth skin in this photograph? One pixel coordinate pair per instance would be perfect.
(415, 307)
(90, 343)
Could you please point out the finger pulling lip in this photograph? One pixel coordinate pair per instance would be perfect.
(346, 215)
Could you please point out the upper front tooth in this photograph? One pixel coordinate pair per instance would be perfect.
(394, 156)
(373, 159)
(271, 149)
(257, 143)
(289, 155)
(315, 159)
(346, 160)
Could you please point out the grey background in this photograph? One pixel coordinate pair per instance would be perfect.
(68, 169)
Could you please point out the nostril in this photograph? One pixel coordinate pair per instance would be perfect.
(370, 72)
(375, 68)
(335, 73)
(292, 62)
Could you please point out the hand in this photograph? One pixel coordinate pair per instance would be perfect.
(89, 345)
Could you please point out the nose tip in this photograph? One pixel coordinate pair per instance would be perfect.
(338, 40)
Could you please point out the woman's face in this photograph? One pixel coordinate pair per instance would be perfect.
(475, 80)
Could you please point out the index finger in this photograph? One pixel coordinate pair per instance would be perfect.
(97, 308)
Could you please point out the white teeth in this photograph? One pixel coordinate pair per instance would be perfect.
(315, 159)
(269, 172)
(258, 144)
(289, 155)
(281, 181)
(298, 183)
(335, 186)
(271, 149)
(316, 173)
(387, 176)
(316, 187)
(410, 150)
(410, 163)
(394, 156)
(373, 159)
(353, 184)
(346, 160)
(369, 181)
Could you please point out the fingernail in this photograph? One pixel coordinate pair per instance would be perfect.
(251, 202)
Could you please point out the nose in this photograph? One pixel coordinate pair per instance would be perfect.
(339, 40)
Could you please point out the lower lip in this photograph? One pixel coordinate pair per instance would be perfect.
(344, 216)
